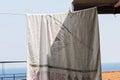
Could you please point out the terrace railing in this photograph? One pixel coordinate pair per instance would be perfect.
(11, 76)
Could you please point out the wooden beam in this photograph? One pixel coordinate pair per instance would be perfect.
(102, 8)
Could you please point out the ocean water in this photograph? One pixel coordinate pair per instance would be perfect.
(13, 74)
(20, 73)
(110, 67)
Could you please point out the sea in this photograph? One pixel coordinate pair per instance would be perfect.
(20, 73)
(13, 73)
(110, 67)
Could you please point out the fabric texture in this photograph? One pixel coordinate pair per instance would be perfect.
(63, 46)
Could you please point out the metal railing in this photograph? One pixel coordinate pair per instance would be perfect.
(18, 76)
(11, 76)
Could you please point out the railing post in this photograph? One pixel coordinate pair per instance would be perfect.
(3, 71)
(13, 76)
(1, 78)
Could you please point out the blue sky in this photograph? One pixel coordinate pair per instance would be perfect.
(13, 28)
(109, 36)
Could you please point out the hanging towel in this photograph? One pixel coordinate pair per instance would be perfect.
(63, 46)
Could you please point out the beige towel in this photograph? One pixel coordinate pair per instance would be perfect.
(63, 46)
